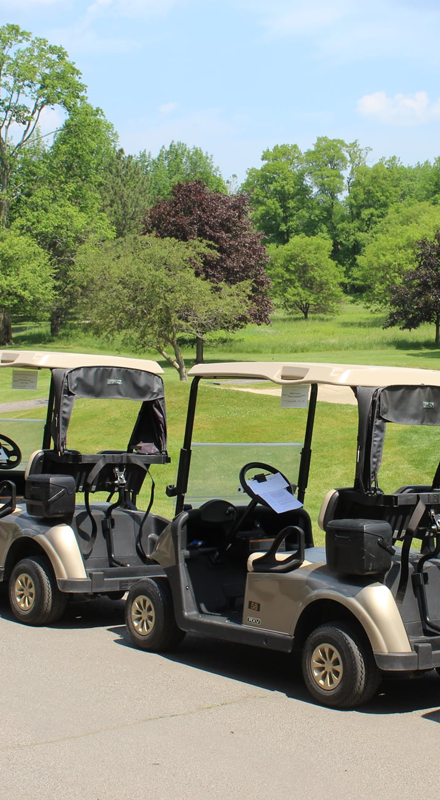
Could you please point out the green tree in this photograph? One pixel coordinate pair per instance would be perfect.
(125, 192)
(332, 166)
(179, 163)
(374, 190)
(304, 277)
(146, 288)
(64, 209)
(279, 195)
(34, 75)
(390, 249)
(417, 298)
(26, 280)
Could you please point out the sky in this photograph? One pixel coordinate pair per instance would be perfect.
(235, 77)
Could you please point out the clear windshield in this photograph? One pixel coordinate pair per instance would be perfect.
(23, 407)
(237, 423)
(215, 468)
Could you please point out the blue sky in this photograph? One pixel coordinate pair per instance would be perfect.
(237, 76)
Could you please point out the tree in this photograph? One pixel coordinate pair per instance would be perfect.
(332, 165)
(374, 190)
(390, 249)
(417, 298)
(34, 75)
(196, 212)
(26, 280)
(63, 210)
(146, 288)
(279, 195)
(179, 163)
(125, 191)
(304, 277)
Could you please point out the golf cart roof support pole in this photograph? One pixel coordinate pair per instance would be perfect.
(185, 453)
(48, 424)
(306, 452)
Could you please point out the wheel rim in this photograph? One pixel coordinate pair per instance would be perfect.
(24, 592)
(143, 615)
(326, 667)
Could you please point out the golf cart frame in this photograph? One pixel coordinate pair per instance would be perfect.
(358, 608)
(51, 546)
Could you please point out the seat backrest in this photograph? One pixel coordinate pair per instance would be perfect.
(328, 508)
(35, 463)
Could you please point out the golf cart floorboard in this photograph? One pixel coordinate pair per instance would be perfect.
(111, 579)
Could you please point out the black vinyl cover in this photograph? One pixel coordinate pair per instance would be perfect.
(149, 433)
(405, 405)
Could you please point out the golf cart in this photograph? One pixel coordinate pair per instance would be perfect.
(51, 545)
(246, 570)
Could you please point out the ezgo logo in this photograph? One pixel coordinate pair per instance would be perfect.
(112, 381)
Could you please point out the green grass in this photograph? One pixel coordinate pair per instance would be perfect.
(354, 336)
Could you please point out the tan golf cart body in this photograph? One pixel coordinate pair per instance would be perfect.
(77, 546)
(279, 596)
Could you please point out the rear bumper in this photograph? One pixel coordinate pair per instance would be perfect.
(424, 655)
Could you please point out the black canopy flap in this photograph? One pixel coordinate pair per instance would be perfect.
(112, 383)
(405, 405)
(410, 405)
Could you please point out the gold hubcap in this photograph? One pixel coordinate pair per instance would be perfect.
(143, 616)
(327, 669)
(24, 592)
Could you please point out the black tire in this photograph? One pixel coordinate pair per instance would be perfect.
(34, 596)
(338, 666)
(149, 616)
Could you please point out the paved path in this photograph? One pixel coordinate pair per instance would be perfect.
(21, 405)
(84, 716)
(327, 394)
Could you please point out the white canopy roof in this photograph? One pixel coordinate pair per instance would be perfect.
(40, 359)
(291, 372)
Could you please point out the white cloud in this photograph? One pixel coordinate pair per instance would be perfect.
(306, 17)
(167, 108)
(131, 9)
(410, 109)
(30, 5)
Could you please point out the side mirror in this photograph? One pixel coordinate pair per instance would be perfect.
(10, 505)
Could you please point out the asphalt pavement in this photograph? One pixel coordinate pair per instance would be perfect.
(85, 716)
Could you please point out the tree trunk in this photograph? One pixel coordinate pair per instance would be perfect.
(178, 362)
(56, 319)
(199, 351)
(5, 327)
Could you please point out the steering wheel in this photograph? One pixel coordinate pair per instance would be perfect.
(11, 451)
(264, 468)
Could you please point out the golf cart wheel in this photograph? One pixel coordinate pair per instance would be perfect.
(338, 666)
(34, 596)
(149, 616)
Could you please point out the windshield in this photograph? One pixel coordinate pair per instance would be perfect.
(23, 407)
(215, 467)
(238, 422)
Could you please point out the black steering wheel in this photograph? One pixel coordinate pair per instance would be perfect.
(12, 452)
(263, 469)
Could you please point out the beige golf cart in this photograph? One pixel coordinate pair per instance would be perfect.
(57, 539)
(365, 605)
